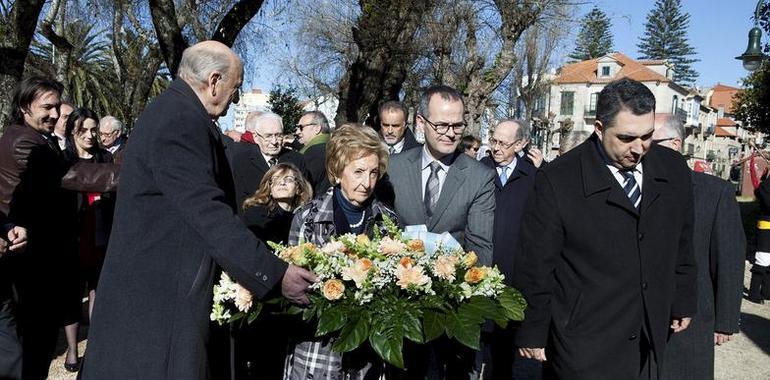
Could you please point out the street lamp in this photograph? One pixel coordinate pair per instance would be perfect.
(753, 55)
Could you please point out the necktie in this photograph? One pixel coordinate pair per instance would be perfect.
(391, 150)
(432, 190)
(272, 162)
(631, 188)
(503, 175)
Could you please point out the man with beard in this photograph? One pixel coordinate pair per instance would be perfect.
(393, 130)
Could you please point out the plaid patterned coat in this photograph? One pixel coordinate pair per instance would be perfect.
(314, 359)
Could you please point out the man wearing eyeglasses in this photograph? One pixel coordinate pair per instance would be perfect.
(249, 162)
(446, 190)
(605, 257)
(720, 249)
(513, 185)
(313, 133)
(112, 134)
(393, 130)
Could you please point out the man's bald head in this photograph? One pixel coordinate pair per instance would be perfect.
(669, 132)
(214, 72)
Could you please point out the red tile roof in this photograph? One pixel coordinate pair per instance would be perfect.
(723, 132)
(725, 122)
(585, 71)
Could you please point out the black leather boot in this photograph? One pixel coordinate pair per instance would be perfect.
(758, 281)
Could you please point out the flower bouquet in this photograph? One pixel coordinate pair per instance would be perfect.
(384, 290)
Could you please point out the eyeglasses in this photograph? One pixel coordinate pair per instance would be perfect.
(107, 134)
(443, 128)
(301, 126)
(493, 141)
(658, 141)
(270, 137)
(288, 180)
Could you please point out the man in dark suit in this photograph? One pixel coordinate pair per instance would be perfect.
(34, 173)
(175, 222)
(393, 130)
(249, 162)
(606, 256)
(513, 185)
(14, 240)
(112, 134)
(445, 190)
(313, 133)
(720, 249)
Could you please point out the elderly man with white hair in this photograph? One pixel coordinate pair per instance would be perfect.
(112, 134)
(175, 226)
(249, 162)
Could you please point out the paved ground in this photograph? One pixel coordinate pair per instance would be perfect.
(746, 357)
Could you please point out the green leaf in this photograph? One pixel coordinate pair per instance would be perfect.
(388, 344)
(484, 308)
(353, 334)
(434, 324)
(256, 309)
(330, 320)
(513, 304)
(465, 331)
(412, 326)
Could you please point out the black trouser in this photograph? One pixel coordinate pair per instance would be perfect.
(10, 345)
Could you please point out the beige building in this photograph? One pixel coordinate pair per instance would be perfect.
(254, 100)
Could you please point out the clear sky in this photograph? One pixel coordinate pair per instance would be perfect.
(718, 32)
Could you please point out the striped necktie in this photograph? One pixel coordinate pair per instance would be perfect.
(631, 188)
(432, 190)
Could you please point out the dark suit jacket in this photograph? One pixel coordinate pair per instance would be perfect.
(720, 246)
(465, 207)
(175, 220)
(410, 141)
(592, 268)
(249, 166)
(510, 199)
(315, 162)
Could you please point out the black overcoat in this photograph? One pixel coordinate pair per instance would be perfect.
(510, 200)
(720, 249)
(592, 268)
(175, 220)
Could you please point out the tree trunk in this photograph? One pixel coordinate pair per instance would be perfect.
(20, 27)
(172, 42)
(384, 35)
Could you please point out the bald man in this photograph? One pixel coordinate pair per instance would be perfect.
(720, 248)
(175, 225)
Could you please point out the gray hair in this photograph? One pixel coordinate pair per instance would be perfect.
(320, 119)
(114, 123)
(198, 63)
(673, 127)
(447, 93)
(572, 139)
(255, 119)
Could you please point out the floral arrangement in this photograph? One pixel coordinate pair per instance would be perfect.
(384, 290)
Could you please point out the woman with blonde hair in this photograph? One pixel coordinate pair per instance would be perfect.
(268, 213)
(356, 159)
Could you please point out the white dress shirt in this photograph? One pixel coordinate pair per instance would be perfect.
(511, 167)
(397, 147)
(638, 175)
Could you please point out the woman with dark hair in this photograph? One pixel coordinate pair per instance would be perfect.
(94, 223)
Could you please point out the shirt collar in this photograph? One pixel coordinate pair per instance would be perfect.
(427, 158)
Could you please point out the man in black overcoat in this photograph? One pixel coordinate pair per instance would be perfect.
(606, 254)
(249, 162)
(175, 223)
(720, 250)
(513, 185)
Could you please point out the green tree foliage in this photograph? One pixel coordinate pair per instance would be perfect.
(665, 37)
(284, 102)
(751, 105)
(594, 39)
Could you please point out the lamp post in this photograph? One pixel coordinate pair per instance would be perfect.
(753, 55)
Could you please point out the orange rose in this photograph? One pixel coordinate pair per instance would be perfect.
(405, 261)
(365, 264)
(416, 245)
(333, 289)
(475, 275)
